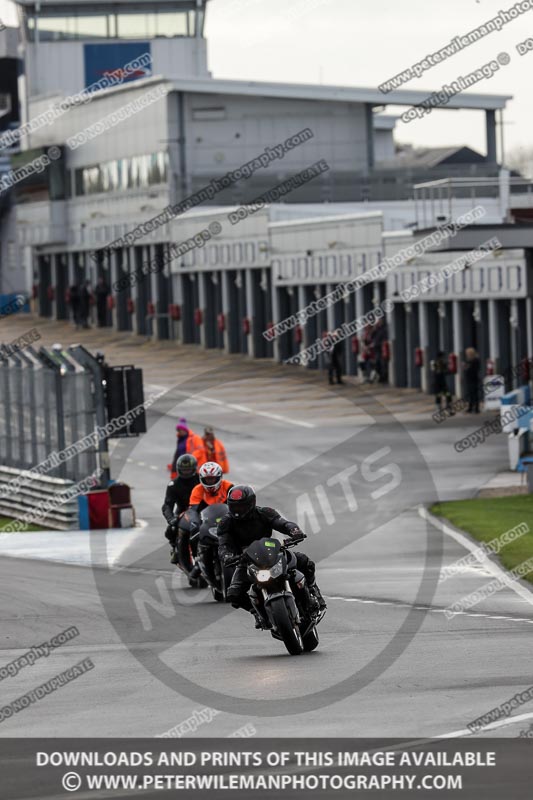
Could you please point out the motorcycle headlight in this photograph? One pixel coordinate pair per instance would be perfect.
(277, 569)
(263, 575)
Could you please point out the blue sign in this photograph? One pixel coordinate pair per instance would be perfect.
(113, 64)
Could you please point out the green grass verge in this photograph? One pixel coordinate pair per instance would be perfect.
(7, 520)
(487, 519)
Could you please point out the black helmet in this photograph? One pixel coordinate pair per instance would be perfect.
(186, 466)
(241, 501)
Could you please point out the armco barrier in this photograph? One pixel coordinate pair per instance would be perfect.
(32, 491)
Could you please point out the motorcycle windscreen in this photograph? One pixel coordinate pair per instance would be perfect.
(264, 552)
(214, 513)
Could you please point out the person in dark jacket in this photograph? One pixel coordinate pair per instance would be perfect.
(440, 382)
(244, 524)
(378, 336)
(102, 293)
(367, 363)
(85, 303)
(334, 358)
(177, 498)
(472, 369)
(74, 301)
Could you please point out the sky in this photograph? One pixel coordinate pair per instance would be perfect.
(365, 42)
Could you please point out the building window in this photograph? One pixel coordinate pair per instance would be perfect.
(145, 22)
(137, 172)
(150, 24)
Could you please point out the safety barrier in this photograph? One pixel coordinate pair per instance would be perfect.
(516, 415)
(23, 496)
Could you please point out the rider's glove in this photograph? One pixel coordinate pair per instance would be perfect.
(296, 532)
(227, 557)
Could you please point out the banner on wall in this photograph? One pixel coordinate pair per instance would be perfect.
(103, 60)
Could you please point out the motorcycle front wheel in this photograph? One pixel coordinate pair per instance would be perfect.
(311, 640)
(289, 632)
(218, 595)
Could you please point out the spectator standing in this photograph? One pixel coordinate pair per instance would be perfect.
(213, 450)
(85, 303)
(187, 441)
(440, 382)
(102, 293)
(472, 369)
(379, 335)
(74, 301)
(367, 355)
(334, 358)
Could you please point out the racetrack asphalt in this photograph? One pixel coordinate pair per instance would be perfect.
(354, 466)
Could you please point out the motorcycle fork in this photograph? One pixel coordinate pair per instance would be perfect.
(301, 592)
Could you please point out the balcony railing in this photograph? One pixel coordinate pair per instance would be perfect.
(439, 201)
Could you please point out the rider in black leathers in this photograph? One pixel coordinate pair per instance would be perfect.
(244, 524)
(177, 498)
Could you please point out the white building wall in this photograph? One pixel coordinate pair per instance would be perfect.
(383, 145)
(247, 125)
(143, 132)
(325, 251)
(54, 67)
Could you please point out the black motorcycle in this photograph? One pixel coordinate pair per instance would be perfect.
(280, 595)
(214, 573)
(186, 547)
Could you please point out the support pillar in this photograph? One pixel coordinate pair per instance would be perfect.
(226, 308)
(424, 344)
(494, 343)
(248, 276)
(490, 124)
(202, 296)
(53, 282)
(458, 345)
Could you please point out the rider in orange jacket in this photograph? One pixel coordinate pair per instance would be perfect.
(211, 489)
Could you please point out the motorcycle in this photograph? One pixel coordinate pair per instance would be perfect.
(186, 546)
(280, 595)
(214, 573)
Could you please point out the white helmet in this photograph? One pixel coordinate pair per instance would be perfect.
(210, 476)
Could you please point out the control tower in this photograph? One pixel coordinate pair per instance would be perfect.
(70, 44)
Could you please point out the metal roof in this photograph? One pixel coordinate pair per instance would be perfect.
(346, 94)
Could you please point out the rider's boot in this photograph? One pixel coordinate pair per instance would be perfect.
(316, 594)
(174, 556)
(195, 572)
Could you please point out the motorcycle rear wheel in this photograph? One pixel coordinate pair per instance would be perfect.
(289, 632)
